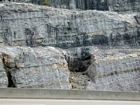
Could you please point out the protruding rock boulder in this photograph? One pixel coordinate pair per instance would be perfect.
(120, 73)
(36, 67)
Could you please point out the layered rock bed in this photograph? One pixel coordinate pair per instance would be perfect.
(45, 47)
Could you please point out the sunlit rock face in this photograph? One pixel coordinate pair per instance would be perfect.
(36, 67)
(111, 70)
(120, 73)
(32, 25)
(79, 37)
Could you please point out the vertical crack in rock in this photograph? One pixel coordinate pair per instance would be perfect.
(137, 18)
(30, 36)
(7, 67)
(79, 58)
(8, 36)
(10, 80)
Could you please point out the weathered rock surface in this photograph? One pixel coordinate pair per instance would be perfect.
(32, 25)
(36, 67)
(3, 74)
(112, 70)
(79, 58)
(80, 38)
(124, 5)
(120, 73)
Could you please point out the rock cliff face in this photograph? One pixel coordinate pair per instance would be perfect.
(31, 25)
(36, 67)
(120, 73)
(112, 70)
(114, 5)
(3, 74)
(81, 38)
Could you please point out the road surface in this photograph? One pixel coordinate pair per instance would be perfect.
(64, 102)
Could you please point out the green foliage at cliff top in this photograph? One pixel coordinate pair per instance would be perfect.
(45, 2)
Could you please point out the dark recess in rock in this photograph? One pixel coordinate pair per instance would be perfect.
(10, 80)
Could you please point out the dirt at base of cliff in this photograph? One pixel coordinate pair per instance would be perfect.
(78, 80)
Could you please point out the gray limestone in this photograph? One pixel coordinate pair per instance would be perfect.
(36, 67)
(112, 5)
(32, 25)
(111, 70)
(24, 24)
(3, 74)
(78, 40)
(120, 73)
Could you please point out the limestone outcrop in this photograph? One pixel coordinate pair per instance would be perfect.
(112, 70)
(78, 40)
(3, 74)
(31, 25)
(36, 67)
(116, 74)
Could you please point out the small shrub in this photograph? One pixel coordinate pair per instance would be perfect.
(69, 28)
(45, 2)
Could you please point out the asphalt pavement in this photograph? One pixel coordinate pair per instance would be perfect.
(64, 102)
